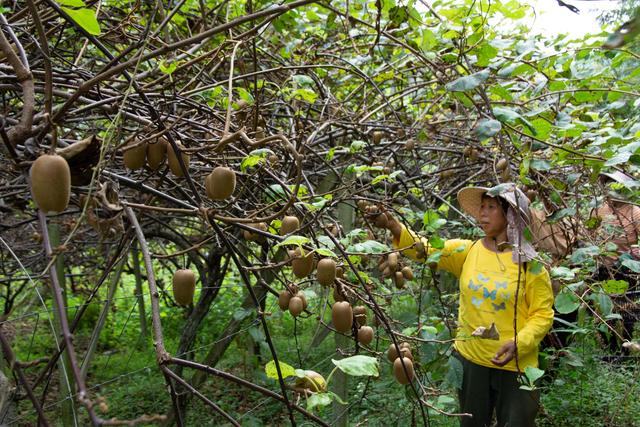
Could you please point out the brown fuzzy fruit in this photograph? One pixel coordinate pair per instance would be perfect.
(399, 372)
(251, 236)
(407, 272)
(184, 285)
(392, 354)
(340, 272)
(283, 299)
(399, 279)
(156, 153)
(365, 335)
(174, 164)
(134, 158)
(360, 314)
(289, 225)
(377, 136)
(410, 145)
(447, 174)
(303, 297)
(50, 183)
(302, 266)
(337, 296)
(392, 259)
(532, 195)
(362, 204)
(220, 183)
(326, 271)
(296, 306)
(502, 164)
(342, 316)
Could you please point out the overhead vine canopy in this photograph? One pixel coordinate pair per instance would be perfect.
(315, 106)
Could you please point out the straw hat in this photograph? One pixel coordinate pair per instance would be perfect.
(470, 199)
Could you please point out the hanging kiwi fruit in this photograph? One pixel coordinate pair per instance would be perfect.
(360, 314)
(174, 164)
(407, 273)
(296, 306)
(377, 136)
(398, 279)
(502, 164)
(50, 183)
(302, 266)
(403, 377)
(184, 285)
(255, 237)
(289, 225)
(365, 335)
(220, 183)
(156, 153)
(342, 316)
(326, 271)
(283, 300)
(133, 158)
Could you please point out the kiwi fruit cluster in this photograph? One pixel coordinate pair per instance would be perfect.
(50, 183)
(342, 316)
(137, 153)
(391, 267)
(301, 265)
(255, 237)
(379, 218)
(471, 152)
(289, 225)
(326, 271)
(293, 300)
(184, 285)
(220, 183)
(398, 359)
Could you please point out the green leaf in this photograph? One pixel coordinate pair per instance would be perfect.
(356, 146)
(358, 365)
(319, 399)
(632, 265)
(285, 370)
(86, 18)
(369, 247)
(168, 67)
(533, 374)
(505, 115)
(566, 302)
(71, 3)
(466, 83)
(487, 128)
(326, 252)
(293, 240)
(562, 273)
(615, 286)
(436, 241)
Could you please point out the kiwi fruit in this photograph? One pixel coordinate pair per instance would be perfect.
(502, 164)
(399, 279)
(420, 252)
(399, 371)
(405, 350)
(296, 306)
(532, 194)
(251, 236)
(407, 272)
(302, 266)
(289, 225)
(156, 153)
(303, 297)
(326, 271)
(283, 299)
(505, 175)
(184, 285)
(362, 204)
(360, 314)
(51, 183)
(337, 296)
(377, 136)
(475, 154)
(365, 335)
(174, 164)
(392, 259)
(410, 145)
(220, 183)
(134, 158)
(392, 354)
(342, 316)
(447, 174)
(382, 221)
(340, 272)
(467, 151)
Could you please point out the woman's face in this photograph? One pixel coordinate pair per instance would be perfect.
(492, 218)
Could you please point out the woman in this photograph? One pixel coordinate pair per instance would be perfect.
(497, 277)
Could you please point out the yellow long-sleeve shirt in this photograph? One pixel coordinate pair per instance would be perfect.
(488, 283)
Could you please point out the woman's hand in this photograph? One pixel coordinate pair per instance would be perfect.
(505, 354)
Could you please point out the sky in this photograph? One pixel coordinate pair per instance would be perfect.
(554, 19)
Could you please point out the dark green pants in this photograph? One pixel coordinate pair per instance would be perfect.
(485, 390)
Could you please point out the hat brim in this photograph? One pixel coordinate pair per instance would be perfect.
(470, 199)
